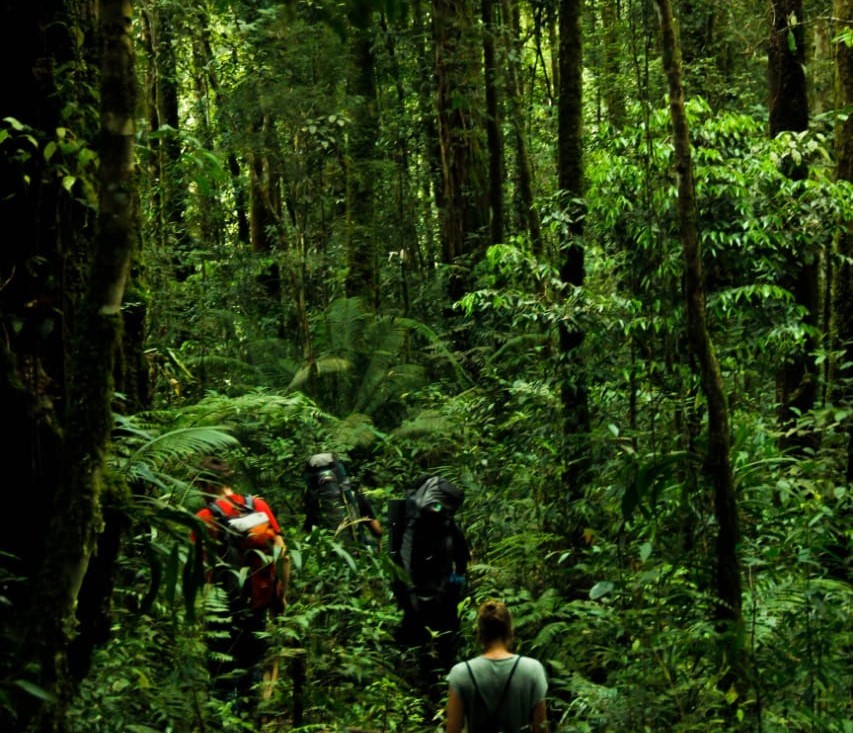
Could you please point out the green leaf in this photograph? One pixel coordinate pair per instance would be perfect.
(600, 589)
(34, 690)
(68, 182)
(343, 554)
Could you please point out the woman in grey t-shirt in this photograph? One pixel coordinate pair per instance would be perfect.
(498, 691)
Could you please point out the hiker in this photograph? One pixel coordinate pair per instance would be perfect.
(333, 503)
(247, 536)
(498, 691)
(433, 555)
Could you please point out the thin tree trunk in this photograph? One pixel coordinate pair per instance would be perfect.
(166, 26)
(614, 98)
(493, 124)
(527, 214)
(572, 269)
(362, 255)
(843, 291)
(718, 462)
(433, 177)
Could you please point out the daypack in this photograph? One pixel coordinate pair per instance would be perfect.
(330, 502)
(429, 546)
(245, 538)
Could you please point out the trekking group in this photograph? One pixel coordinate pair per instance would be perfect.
(248, 562)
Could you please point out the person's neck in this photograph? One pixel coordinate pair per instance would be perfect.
(497, 650)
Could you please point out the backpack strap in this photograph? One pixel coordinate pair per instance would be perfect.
(217, 511)
(492, 714)
(245, 508)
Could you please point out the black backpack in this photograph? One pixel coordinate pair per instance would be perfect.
(427, 544)
(330, 502)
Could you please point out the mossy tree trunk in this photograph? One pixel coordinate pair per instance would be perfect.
(459, 79)
(39, 289)
(718, 465)
(66, 425)
(842, 311)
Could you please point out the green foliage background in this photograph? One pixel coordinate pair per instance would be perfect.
(612, 590)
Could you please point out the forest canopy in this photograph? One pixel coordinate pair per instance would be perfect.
(589, 261)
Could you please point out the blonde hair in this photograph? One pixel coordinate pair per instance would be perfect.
(494, 623)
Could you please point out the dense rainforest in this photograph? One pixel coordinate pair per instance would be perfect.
(591, 261)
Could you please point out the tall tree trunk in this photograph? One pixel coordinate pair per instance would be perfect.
(459, 80)
(66, 464)
(718, 462)
(572, 269)
(433, 178)
(265, 207)
(789, 111)
(528, 216)
(207, 70)
(614, 97)
(362, 254)
(35, 41)
(843, 291)
(797, 377)
(493, 124)
(405, 243)
(166, 25)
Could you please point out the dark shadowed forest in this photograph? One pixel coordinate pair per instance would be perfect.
(590, 262)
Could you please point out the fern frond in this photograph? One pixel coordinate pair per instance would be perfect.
(439, 346)
(428, 422)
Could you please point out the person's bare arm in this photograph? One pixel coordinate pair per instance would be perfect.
(539, 718)
(455, 713)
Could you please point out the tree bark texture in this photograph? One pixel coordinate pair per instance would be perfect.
(433, 177)
(35, 42)
(459, 80)
(86, 422)
(614, 96)
(718, 462)
(572, 269)
(493, 124)
(788, 102)
(166, 26)
(362, 247)
(843, 291)
(528, 216)
(797, 377)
